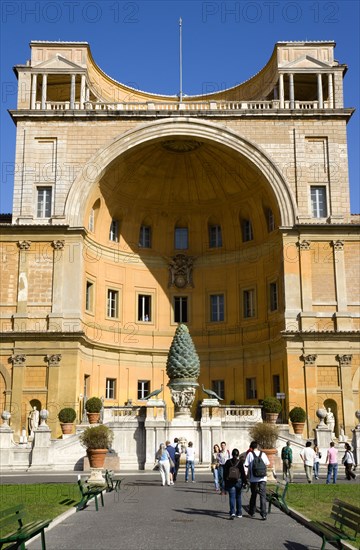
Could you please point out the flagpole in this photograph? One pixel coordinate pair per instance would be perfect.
(180, 29)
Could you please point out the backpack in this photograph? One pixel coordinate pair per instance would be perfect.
(234, 472)
(258, 466)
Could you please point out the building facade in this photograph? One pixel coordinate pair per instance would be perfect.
(134, 212)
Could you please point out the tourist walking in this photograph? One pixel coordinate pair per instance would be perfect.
(215, 466)
(332, 462)
(224, 455)
(316, 461)
(307, 455)
(235, 479)
(287, 459)
(163, 458)
(177, 448)
(190, 462)
(171, 450)
(349, 462)
(255, 463)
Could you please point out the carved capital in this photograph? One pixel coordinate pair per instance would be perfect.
(344, 360)
(53, 360)
(304, 245)
(18, 360)
(338, 245)
(24, 245)
(309, 359)
(58, 245)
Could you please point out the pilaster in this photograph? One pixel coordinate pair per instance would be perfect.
(346, 388)
(310, 386)
(18, 363)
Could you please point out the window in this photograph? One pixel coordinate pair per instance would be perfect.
(91, 224)
(143, 388)
(217, 307)
(251, 392)
(273, 296)
(181, 238)
(247, 231)
(44, 202)
(218, 386)
(145, 236)
(110, 388)
(144, 307)
(89, 297)
(112, 309)
(270, 220)
(318, 202)
(114, 231)
(180, 309)
(215, 238)
(249, 303)
(276, 384)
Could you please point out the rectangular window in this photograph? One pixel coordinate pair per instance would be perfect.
(89, 297)
(112, 309)
(144, 307)
(318, 202)
(44, 202)
(114, 231)
(249, 303)
(110, 388)
(247, 231)
(218, 386)
(145, 236)
(215, 238)
(181, 238)
(251, 392)
(273, 290)
(180, 309)
(276, 384)
(143, 388)
(217, 307)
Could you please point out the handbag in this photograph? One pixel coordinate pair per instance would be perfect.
(156, 467)
(172, 464)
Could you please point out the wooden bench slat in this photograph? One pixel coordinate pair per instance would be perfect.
(344, 515)
(24, 532)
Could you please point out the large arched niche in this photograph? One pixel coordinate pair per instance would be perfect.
(214, 139)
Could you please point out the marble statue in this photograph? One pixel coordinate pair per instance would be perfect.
(33, 419)
(330, 420)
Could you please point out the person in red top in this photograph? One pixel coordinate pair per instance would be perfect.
(332, 462)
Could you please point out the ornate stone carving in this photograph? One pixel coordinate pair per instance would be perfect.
(53, 360)
(18, 360)
(180, 271)
(182, 399)
(309, 359)
(338, 245)
(58, 245)
(304, 245)
(24, 245)
(344, 360)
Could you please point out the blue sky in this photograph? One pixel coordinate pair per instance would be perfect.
(137, 43)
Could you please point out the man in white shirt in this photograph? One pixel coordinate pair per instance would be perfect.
(257, 484)
(308, 456)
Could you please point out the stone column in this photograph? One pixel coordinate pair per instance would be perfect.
(281, 90)
(330, 91)
(305, 282)
(319, 91)
(33, 91)
(82, 91)
(18, 364)
(56, 315)
(346, 388)
(44, 91)
(291, 91)
(311, 388)
(21, 316)
(72, 92)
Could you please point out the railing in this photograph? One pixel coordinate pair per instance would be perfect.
(122, 414)
(193, 106)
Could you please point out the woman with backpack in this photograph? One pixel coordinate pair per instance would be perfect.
(235, 480)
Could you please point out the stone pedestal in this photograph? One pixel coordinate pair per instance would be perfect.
(6, 435)
(155, 430)
(323, 437)
(41, 455)
(96, 477)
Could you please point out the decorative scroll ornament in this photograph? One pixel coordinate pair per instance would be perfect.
(344, 360)
(58, 245)
(18, 360)
(304, 245)
(309, 359)
(180, 271)
(338, 245)
(24, 245)
(53, 360)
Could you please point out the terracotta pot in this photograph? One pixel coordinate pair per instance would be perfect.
(66, 427)
(96, 457)
(93, 418)
(271, 454)
(298, 427)
(271, 418)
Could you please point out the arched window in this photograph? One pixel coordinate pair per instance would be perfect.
(215, 235)
(181, 237)
(114, 231)
(247, 230)
(93, 216)
(145, 236)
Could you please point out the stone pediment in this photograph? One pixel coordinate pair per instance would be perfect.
(306, 62)
(58, 62)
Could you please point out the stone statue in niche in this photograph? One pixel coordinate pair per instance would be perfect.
(180, 270)
(330, 420)
(33, 419)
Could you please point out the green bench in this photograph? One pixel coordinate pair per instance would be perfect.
(24, 531)
(344, 515)
(88, 492)
(276, 494)
(113, 481)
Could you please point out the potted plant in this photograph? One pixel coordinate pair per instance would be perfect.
(93, 407)
(297, 417)
(272, 407)
(67, 417)
(97, 440)
(266, 435)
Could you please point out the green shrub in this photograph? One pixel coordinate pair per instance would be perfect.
(271, 405)
(297, 414)
(93, 405)
(265, 434)
(97, 437)
(67, 415)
